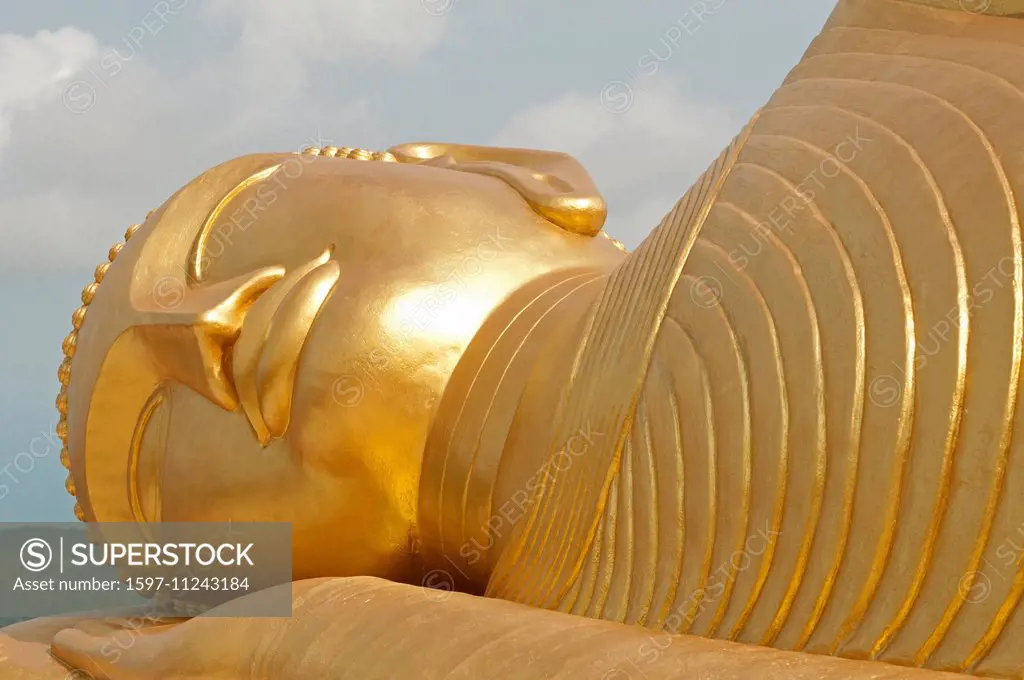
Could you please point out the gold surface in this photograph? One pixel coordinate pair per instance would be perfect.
(415, 634)
(1014, 8)
(790, 418)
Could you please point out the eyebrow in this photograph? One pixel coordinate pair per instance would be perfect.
(195, 257)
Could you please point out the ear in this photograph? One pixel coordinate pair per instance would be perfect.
(554, 184)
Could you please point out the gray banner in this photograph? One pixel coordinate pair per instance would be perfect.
(168, 569)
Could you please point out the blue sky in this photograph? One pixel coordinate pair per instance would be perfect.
(106, 108)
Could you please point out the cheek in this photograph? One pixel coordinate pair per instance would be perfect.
(213, 467)
(364, 397)
(365, 410)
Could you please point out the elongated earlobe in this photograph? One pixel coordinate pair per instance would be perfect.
(554, 184)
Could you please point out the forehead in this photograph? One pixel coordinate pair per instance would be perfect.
(372, 215)
(244, 203)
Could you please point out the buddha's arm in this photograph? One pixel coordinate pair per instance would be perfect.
(367, 628)
(844, 349)
(834, 384)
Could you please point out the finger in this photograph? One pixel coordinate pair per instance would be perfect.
(89, 653)
(198, 648)
(42, 630)
(123, 654)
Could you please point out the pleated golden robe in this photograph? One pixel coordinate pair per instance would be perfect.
(822, 445)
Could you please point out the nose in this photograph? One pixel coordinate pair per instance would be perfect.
(193, 341)
(266, 355)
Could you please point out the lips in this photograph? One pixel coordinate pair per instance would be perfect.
(266, 355)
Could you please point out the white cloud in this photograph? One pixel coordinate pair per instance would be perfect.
(284, 37)
(35, 70)
(92, 137)
(642, 159)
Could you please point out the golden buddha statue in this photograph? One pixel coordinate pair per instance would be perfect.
(789, 419)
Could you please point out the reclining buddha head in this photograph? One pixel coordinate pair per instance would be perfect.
(272, 343)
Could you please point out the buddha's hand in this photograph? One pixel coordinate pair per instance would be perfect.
(25, 647)
(208, 647)
(372, 629)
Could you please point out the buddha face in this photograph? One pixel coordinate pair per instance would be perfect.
(272, 344)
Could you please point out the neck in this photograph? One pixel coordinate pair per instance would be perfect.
(487, 450)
